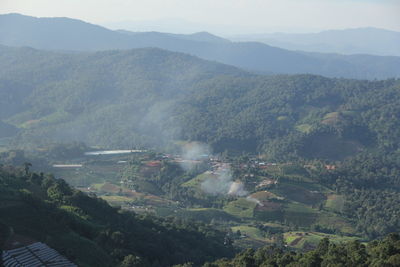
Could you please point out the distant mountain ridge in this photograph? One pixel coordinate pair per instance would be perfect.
(370, 40)
(74, 35)
(198, 36)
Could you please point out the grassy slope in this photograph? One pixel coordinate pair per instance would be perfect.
(308, 240)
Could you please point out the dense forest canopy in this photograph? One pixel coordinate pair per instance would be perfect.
(384, 252)
(91, 233)
(151, 97)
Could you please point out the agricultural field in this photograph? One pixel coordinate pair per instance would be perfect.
(241, 208)
(264, 195)
(309, 240)
(272, 202)
(198, 180)
(250, 236)
(207, 215)
(304, 193)
(334, 202)
(300, 215)
(336, 223)
(89, 174)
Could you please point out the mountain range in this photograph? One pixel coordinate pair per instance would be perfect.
(299, 157)
(74, 35)
(152, 97)
(348, 41)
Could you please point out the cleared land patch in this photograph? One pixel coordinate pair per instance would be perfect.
(241, 208)
(309, 240)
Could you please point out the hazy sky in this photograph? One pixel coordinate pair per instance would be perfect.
(219, 16)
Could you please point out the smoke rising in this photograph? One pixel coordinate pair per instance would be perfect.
(192, 153)
(222, 183)
(252, 199)
(195, 151)
(218, 185)
(237, 189)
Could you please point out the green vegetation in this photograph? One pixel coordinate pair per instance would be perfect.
(91, 233)
(334, 223)
(171, 96)
(297, 196)
(207, 215)
(338, 252)
(307, 240)
(299, 214)
(242, 208)
(335, 202)
(250, 231)
(316, 158)
(196, 181)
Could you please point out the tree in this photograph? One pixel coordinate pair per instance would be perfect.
(323, 246)
(27, 166)
(132, 261)
(245, 259)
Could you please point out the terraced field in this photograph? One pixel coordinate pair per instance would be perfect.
(207, 215)
(309, 240)
(287, 200)
(333, 221)
(241, 208)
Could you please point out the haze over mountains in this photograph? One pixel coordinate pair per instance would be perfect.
(74, 35)
(152, 98)
(349, 41)
(260, 145)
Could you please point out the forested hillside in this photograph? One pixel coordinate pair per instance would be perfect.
(385, 252)
(75, 35)
(115, 98)
(151, 97)
(89, 232)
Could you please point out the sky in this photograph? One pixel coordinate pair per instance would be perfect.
(218, 16)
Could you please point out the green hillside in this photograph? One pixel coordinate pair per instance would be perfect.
(384, 252)
(89, 232)
(151, 97)
(314, 155)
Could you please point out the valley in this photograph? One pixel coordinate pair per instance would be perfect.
(255, 202)
(147, 149)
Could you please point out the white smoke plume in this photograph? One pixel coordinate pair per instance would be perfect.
(223, 184)
(193, 152)
(218, 185)
(252, 199)
(237, 189)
